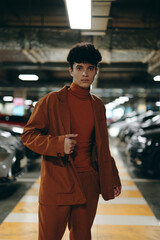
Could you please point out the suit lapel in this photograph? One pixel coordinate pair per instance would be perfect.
(64, 109)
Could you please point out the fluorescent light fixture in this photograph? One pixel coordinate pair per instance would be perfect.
(34, 103)
(158, 104)
(27, 102)
(7, 98)
(124, 98)
(157, 78)
(93, 33)
(28, 77)
(79, 13)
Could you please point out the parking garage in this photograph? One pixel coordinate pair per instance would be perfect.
(35, 38)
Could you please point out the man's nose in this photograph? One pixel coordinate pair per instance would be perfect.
(85, 72)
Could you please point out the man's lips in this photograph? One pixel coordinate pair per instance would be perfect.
(85, 80)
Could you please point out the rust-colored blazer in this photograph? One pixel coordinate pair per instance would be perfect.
(45, 133)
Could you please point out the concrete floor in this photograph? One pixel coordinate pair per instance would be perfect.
(126, 216)
(11, 194)
(147, 184)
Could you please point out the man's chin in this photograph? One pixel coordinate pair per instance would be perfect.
(85, 85)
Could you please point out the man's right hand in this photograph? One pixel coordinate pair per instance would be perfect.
(69, 143)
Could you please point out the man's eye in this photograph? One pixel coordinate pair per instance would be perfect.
(78, 68)
(91, 68)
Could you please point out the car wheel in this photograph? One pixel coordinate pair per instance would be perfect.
(157, 165)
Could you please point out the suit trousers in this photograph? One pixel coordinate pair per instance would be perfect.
(54, 219)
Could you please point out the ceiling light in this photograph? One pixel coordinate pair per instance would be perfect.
(158, 104)
(28, 77)
(34, 103)
(93, 33)
(7, 98)
(79, 13)
(27, 102)
(157, 78)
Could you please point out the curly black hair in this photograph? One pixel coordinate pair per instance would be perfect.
(84, 53)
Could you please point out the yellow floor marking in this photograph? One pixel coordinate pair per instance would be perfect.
(26, 207)
(111, 232)
(103, 209)
(124, 174)
(38, 181)
(132, 193)
(23, 231)
(124, 209)
(127, 182)
(33, 191)
(121, 167)
(19, 231)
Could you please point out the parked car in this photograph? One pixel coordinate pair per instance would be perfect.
(17, 131)
(144, 150)
(12, 158)
(14, 120)
(154, 122)
(137, 123)
(116, 127)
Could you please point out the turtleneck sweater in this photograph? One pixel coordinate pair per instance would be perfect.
(82, 123)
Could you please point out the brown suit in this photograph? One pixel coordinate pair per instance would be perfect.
(45, 133)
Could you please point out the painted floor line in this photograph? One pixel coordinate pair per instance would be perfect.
(29, 198)
(22, 217)
(35, 185)
(124, 201)
(26, 179)
(99, 219)
(126, 220)
(145, 180)
(134, 187)
(125, 178)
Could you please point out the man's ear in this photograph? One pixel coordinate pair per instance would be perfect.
(97, 70)
(70, 71)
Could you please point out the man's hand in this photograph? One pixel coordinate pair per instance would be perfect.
(69, 143)
(117, 191)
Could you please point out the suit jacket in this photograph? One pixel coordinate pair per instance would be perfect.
(45, 133)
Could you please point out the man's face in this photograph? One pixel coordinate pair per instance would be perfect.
(83, 74)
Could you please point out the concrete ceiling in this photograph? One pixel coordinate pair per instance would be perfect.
(35, 37)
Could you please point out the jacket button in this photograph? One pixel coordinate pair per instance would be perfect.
(59, 154)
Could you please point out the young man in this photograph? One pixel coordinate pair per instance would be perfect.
(69, 129)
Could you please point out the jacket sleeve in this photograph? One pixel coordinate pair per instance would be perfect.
(35, 134)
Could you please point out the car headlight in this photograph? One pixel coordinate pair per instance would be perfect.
(149, 142)
(3, 154)
(142, 139)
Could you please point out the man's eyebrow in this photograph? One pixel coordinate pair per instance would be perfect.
(78, 65)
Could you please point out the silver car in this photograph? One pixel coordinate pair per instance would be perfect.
(12, 157)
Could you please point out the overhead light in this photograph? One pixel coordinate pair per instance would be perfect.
(93, 33)
(27, 102)
(28, 77)
(158, 104)
(7, 98)
(79, 13)
(157, 78)
(34, 103)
